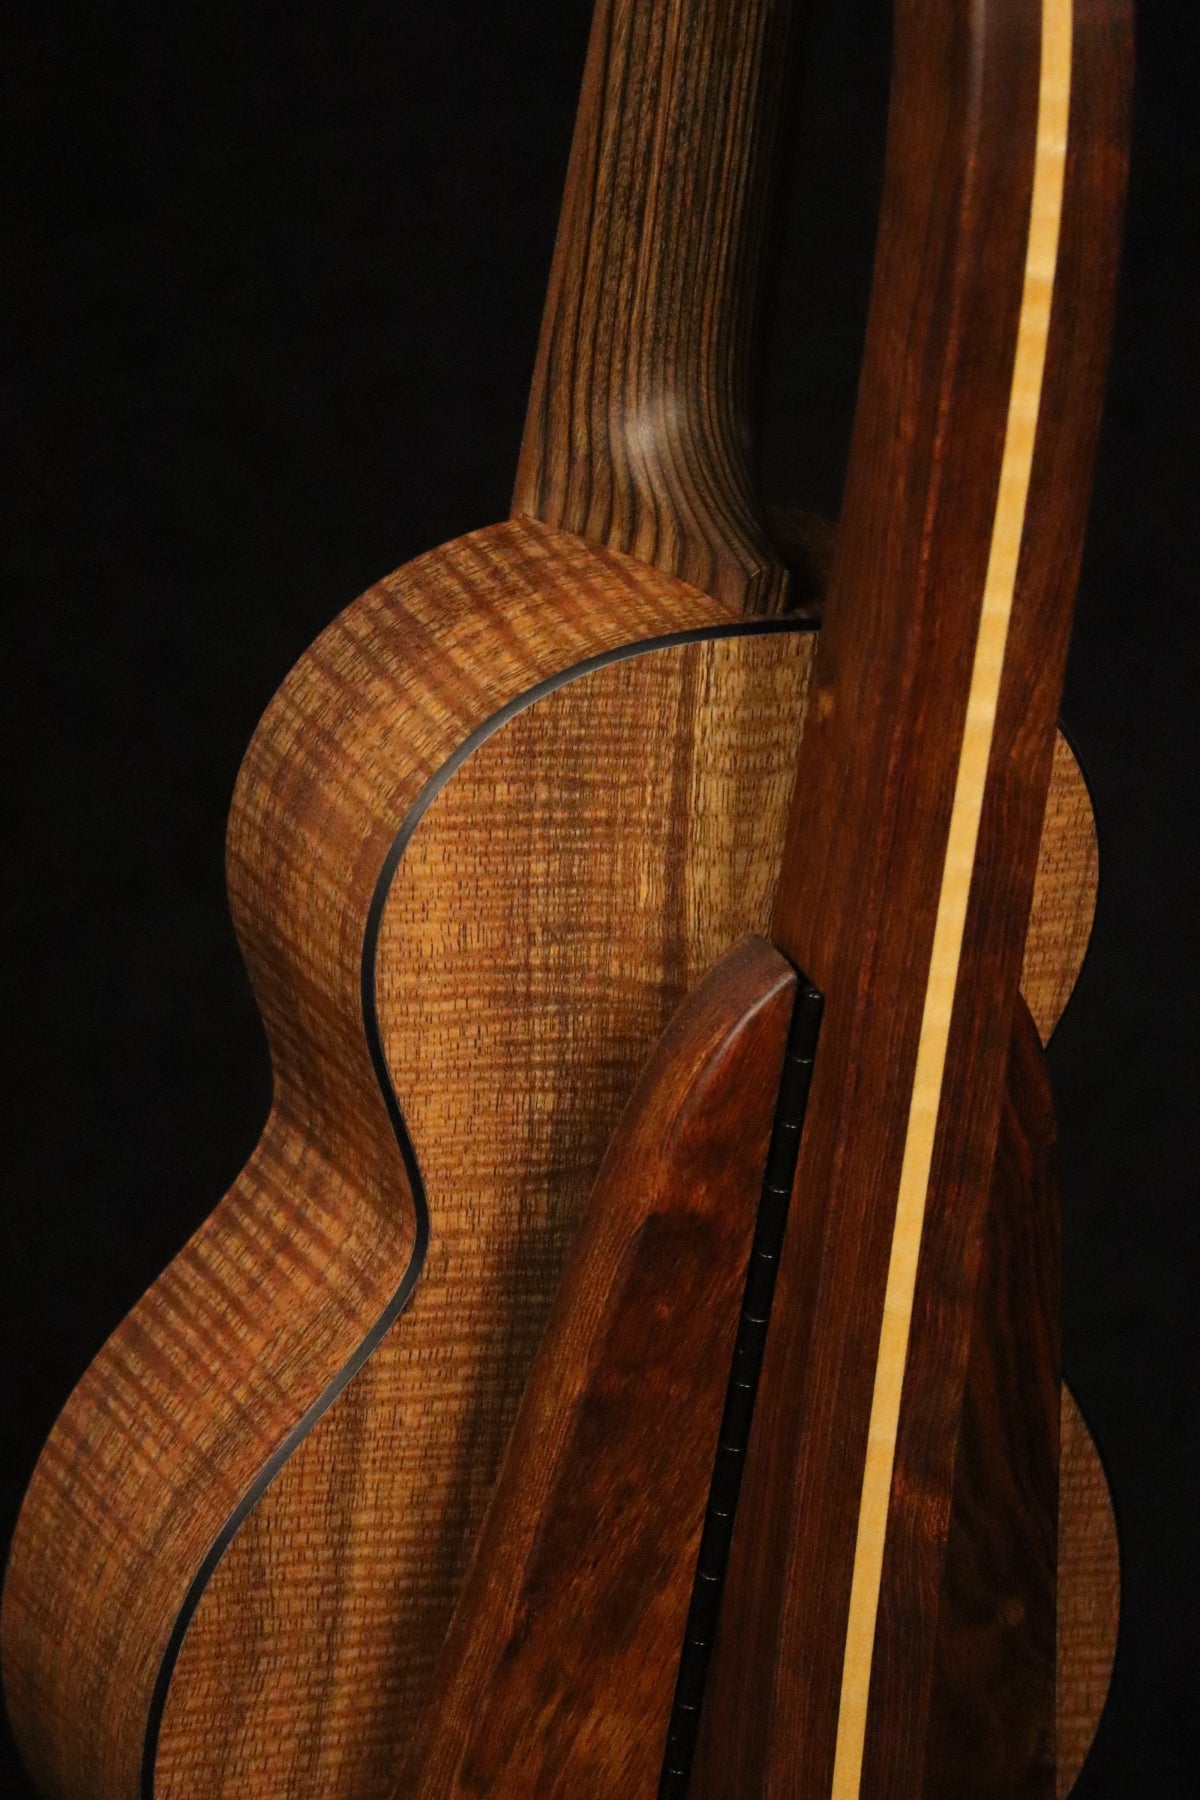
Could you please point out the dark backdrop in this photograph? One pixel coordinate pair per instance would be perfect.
(274, 289)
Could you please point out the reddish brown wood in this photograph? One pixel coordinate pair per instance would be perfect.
(557, 1674)
(869, 824)
(992, 1708)
(313, 1636)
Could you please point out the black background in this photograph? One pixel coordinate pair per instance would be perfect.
(274, 286)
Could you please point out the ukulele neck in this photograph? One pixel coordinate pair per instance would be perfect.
(637, 434)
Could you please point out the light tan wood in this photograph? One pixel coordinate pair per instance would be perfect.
(1089, 1595)
(313, 1642)
(1089, 1573)
(941, 982)
(1064, 894)
(1089, 1579)
(573, 879)
(1089, 1576)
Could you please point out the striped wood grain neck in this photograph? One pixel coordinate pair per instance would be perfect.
(640, 416)
(942, 978)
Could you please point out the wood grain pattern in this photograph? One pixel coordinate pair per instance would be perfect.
(638, 433)
(875, 785)
(1088, 1580)
(1068, 868)
(1060, 925)
(197, 1539)
(1064, 894)
(1089, 1595)
(557, 1673)
(319, 1628)
(1056, 941)
(201, 1387)
(989, 662)
(624, 843)
(992, 1707)
(642, 813)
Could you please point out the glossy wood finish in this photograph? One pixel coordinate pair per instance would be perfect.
(1056, 941)
(318, 1630)
(877, 780)
(1088, 1578)
(638, 432)
(570, 881)
(558, 1670)
(519, 975)
(1089, 1571)
(1064, 894)
(992, 1707)
(1089, 1594)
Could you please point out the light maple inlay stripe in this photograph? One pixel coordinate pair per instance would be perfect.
(1007, 527)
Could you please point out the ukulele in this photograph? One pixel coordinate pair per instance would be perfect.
(508, 811)
(888, 1555)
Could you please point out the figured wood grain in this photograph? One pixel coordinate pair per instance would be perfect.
(876, 779)
(1056, 941)
(320, 1627)
(1064, 888)
(989, 657)
(1064, 894)
(311, 1645)
(1089, 1594)
(311, 1615)
(1059, 928)
(992, 1706)
(558, 1669)
(566, 886)
(1088, 1584)
(638, 430)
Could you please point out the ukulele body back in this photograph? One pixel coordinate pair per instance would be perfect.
(493, 827)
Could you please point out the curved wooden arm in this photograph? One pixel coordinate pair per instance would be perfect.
(556, 1676)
